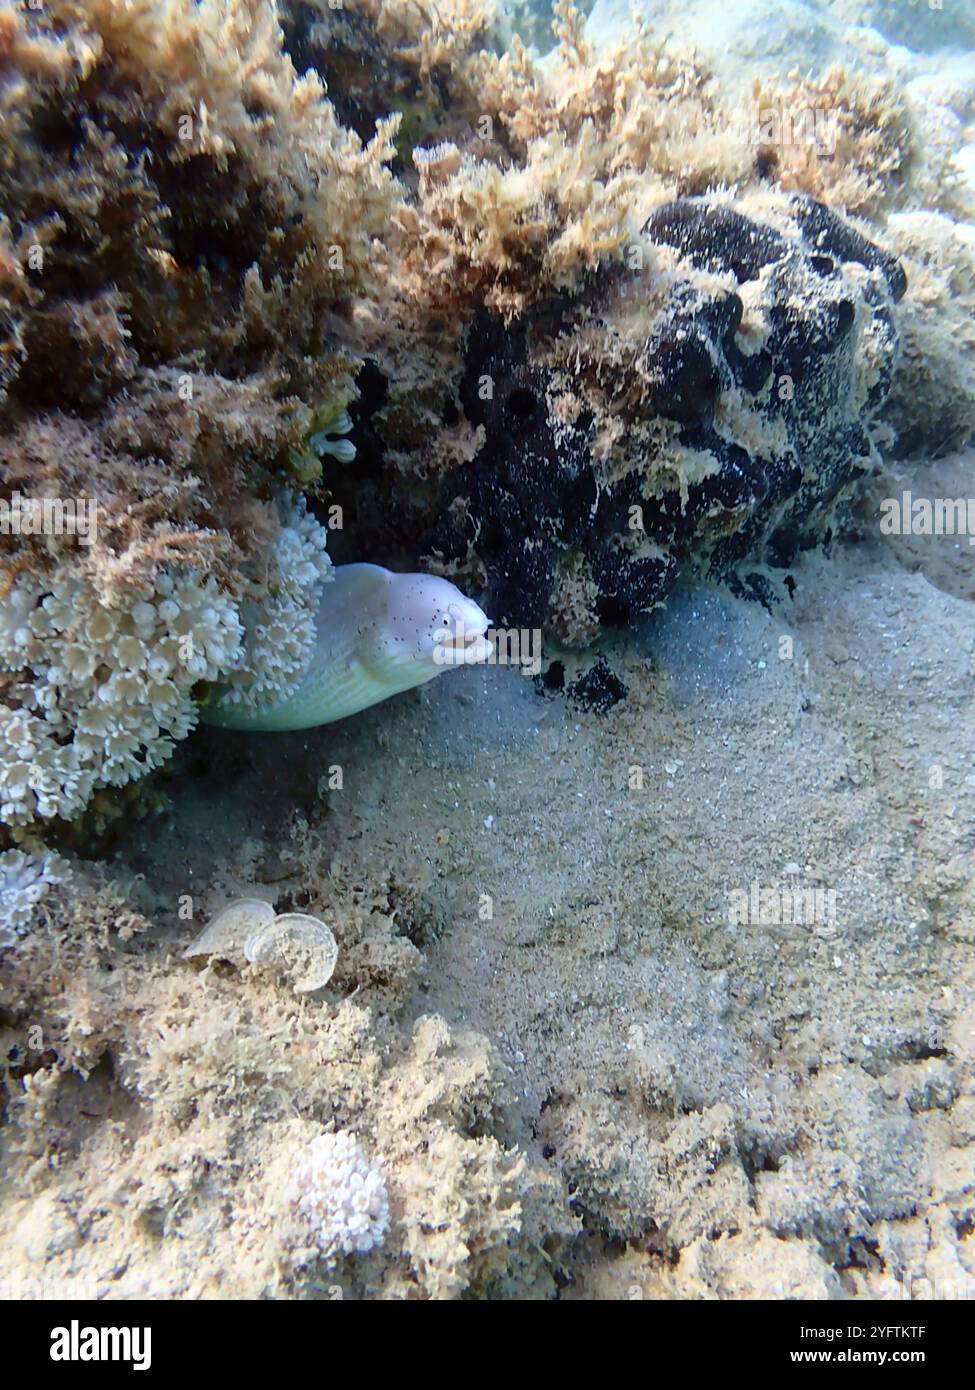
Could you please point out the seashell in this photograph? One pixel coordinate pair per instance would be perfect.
(233, 927)
(302, 947)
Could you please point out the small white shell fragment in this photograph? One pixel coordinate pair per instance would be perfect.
(233, 927)
(303, 947)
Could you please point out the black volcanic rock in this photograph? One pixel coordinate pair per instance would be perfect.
(764, 353)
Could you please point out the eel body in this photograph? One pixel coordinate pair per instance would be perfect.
(377, 633)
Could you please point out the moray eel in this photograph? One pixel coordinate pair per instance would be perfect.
(377, 633)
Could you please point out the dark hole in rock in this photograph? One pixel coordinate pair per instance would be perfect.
(766, 163)
(599, 689)
(613, 612)
(522, 403)
(552, 680)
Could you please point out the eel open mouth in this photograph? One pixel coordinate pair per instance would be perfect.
(464, 641)
(466, 645)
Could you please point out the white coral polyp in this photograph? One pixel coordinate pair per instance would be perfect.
(340, 1195)
(24, 881)
(280, 611)
(99, 696)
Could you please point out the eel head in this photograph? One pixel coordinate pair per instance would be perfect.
(431, 623)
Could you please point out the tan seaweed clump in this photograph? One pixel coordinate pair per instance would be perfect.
(261, 1143)
(555, 171)
(411, 58)
(305, 198)
(502, 237)
(195, 199)
(654, 107)
(187, 231)
(575, 620)
(844, 138)
(529, 175)
(433, 39)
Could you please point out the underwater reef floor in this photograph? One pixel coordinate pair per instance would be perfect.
(539, 957)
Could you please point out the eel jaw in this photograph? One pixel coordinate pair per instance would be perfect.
(466, 645)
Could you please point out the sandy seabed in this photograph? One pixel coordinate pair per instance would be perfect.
(581, 1073)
